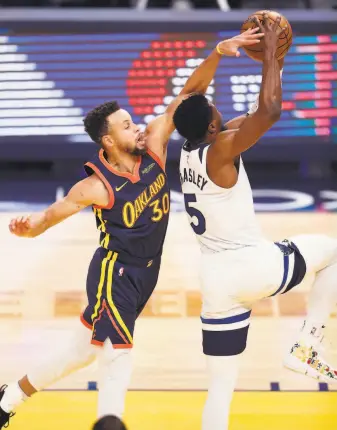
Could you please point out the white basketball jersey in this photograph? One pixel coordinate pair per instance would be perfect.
(221, 218)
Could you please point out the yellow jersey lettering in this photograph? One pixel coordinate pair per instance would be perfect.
(138, 209)
(129, 214)
(157, 212)
(133, 210)
(142, 201)
(146, 196)
(152, 191)
(166, 203)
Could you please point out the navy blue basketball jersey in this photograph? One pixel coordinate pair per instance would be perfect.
(135, 220)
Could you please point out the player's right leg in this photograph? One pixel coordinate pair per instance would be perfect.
(306, 355)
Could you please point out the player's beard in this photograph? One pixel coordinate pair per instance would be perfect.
(138, 151)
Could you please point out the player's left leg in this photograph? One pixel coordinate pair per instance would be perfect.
(57, 363)
(128, 287)
(306, 355)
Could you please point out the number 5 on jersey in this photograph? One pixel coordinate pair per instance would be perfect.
(200, 227)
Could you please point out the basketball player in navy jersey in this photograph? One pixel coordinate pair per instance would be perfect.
(239, 266)
(127, 188)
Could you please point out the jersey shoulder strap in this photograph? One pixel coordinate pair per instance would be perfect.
(96, 165)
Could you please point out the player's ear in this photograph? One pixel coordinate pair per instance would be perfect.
(107, 141)
(212, 127)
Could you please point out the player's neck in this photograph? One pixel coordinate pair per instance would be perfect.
(211, 138)
(123, 162)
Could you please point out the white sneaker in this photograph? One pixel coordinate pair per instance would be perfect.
(309, 361)
(307, 355)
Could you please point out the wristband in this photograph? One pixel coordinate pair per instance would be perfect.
(218, 50)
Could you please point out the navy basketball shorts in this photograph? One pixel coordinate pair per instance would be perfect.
(233, 281)
(117, 290)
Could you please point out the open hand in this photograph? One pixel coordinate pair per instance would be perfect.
(20, 226)
(27, 226)
(271, 30)
(230, 47)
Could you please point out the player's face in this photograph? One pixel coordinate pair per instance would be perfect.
(125, 134)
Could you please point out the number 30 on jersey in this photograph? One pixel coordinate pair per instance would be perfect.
(199, 227)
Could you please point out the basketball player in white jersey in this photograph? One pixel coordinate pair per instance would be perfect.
(239, 266)
(113, 129)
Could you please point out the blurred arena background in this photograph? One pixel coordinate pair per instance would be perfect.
(58, 59)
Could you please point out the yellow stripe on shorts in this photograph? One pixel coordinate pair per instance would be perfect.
(105, 242)
(99, 215)
(110, 301)
(101, 285)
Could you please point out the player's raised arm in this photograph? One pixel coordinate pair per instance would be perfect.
(84, 193)
(232, 143)
(160, 129)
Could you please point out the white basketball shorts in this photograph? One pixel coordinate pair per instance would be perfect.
(232, 281)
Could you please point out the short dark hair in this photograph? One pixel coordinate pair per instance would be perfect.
(95, 123)
(192, 117)
(109, 422)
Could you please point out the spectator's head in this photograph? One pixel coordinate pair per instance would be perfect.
(196, 119)
(109, 422)
(112, 127)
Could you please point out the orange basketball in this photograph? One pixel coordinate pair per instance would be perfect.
(286, 38)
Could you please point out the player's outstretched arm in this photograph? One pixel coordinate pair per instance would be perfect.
(231, 143)
(84, 193)
(160, 129)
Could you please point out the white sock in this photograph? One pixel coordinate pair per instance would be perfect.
(115, 367)
(12, 397)
(222, 373)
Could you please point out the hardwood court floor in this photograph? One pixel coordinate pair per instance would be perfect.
(42, 284)
(182, 411)
(42, 291)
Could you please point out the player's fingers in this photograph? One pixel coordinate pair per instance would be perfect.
(265, 18)
(12, 226)
(251, 42)
(251, 30)
(237, 54)
(255, 36)
(25, 220)
(14, 223)
(281, 30)
(258, 23)
(276, 23)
